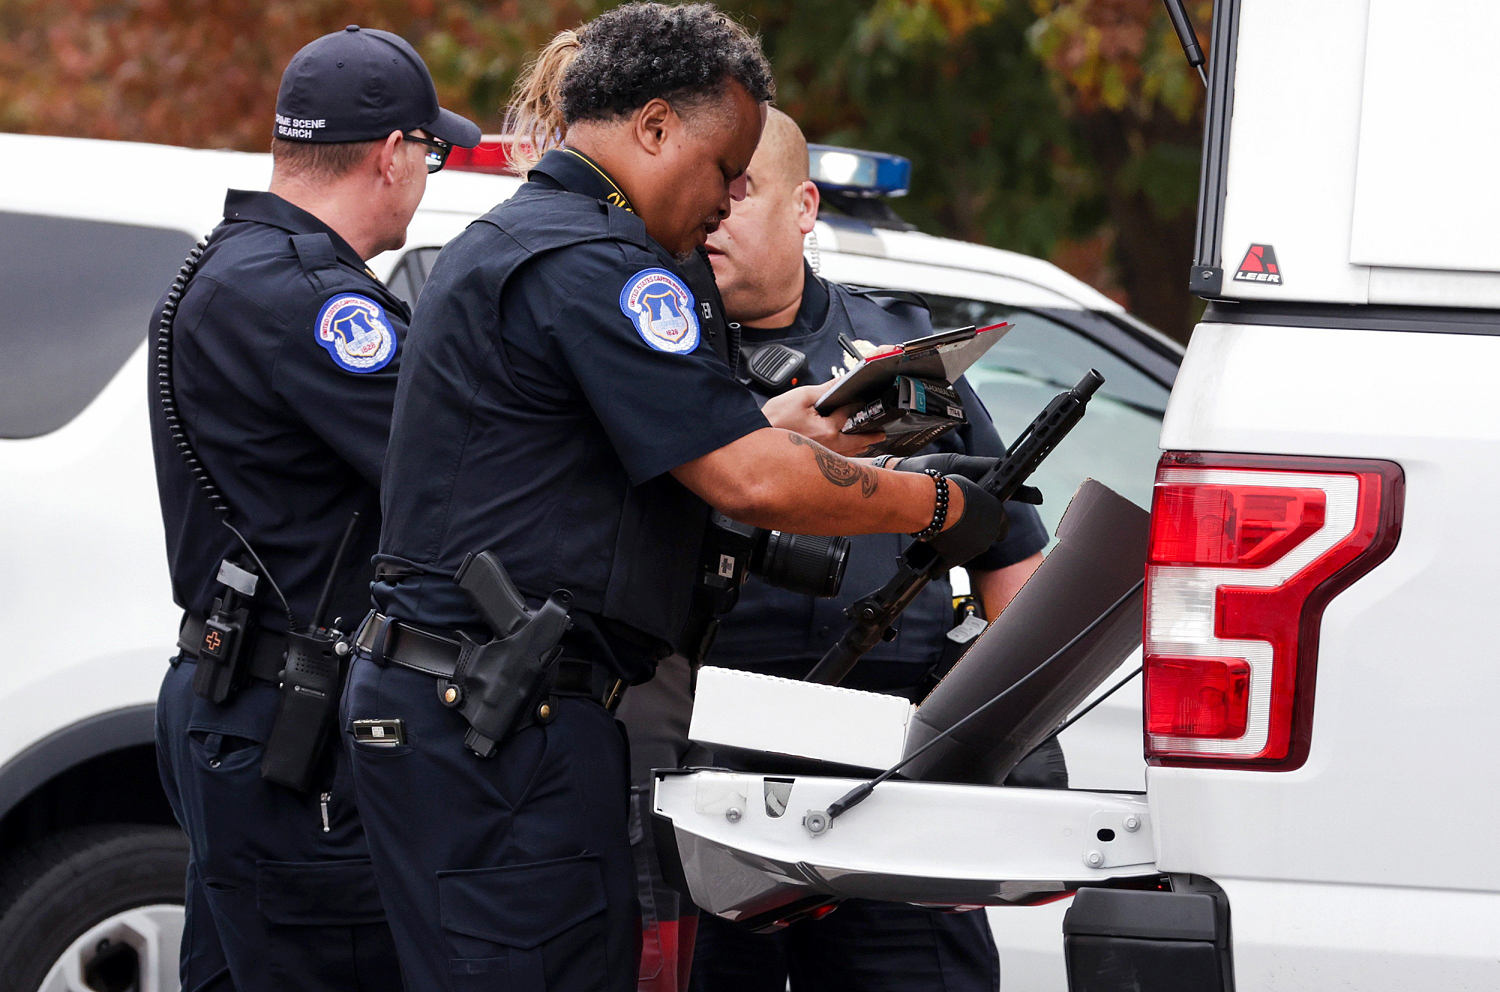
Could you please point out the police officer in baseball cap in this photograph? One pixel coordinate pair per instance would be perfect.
(359, 84)
(279, 350)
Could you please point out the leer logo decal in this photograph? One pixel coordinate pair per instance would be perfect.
(1259, 266)
(355, 331)
(662, 309)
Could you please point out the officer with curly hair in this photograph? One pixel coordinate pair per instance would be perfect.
(565, 404)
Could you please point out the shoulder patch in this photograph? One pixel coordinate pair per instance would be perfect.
(663, 310)
(356, 333)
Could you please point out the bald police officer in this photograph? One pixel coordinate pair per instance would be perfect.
(564, 405)
(770, 289)
(270, 414)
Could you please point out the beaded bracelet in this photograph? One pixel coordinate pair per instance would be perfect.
(939, 507)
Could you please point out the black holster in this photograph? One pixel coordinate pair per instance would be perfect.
(225, 650)
(497, 681)
(223, 656)
(500, 680)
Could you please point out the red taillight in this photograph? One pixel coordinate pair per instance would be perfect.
(492, 154)
(1197, 697)
(1246, 551)
(1234, 526)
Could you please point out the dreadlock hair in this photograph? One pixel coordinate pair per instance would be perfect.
(626, 57)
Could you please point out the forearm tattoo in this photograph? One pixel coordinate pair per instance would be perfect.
(839, 470)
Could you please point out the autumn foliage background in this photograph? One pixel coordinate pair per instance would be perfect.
(1063, 128)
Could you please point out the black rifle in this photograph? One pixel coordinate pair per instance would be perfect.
(919, 564)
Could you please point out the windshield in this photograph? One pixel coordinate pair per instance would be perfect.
(1046, 351)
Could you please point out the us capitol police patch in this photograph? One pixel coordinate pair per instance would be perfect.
(356, 333)
(662, 309)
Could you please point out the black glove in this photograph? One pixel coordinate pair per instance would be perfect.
(972, 467)
(948, 463)
(982, 524)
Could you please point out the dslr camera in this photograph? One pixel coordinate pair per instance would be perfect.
(732, 551)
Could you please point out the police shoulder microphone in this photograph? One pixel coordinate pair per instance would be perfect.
(774, 368)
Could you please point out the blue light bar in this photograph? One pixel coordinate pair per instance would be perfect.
(850, 170)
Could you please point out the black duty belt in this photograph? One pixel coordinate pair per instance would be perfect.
(267, 653)
(392, 642)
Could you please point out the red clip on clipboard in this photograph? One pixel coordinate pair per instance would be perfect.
(943, 356)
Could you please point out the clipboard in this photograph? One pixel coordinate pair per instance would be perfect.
(943, 356)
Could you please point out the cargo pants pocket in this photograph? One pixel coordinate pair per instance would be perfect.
(325, 925)
(224, 802)
(525, 928)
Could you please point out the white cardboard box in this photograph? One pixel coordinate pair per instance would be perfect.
(802, 719)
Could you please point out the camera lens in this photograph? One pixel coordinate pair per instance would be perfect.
(813, 566)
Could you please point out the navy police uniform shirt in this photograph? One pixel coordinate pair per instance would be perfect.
(771, 627)
(284, 355)
(555, 373)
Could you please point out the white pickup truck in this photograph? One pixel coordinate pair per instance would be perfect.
(1320, 665)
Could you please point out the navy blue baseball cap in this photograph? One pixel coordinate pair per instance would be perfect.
(360, 84)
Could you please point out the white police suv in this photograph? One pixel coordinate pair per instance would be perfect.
(91, 863)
